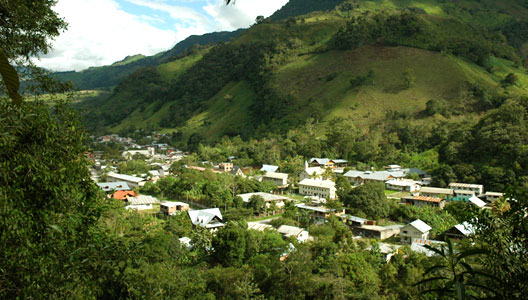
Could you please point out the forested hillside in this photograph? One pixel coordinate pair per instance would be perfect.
(107, 77)
(406, 78)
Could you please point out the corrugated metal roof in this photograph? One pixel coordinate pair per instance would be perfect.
(420, 225)
(142, 199)
(269, 168)
(111, 186)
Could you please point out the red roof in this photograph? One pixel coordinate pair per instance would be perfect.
(122, 195)
(427, 199)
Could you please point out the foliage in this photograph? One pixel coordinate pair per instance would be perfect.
(370, 199)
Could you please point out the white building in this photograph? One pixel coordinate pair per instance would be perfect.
(280, 179)
(267, 197)
(477, 189)
(130, 153)
(291, 231)
(414, 230)
(491, 196)
(132, 181)
(404, 185)
(322, 188)
(210, 218)
(312, 173)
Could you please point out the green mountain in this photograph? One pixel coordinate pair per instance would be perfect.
(277, 75)
(107, 77)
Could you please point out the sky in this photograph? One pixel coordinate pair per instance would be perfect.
(101, 32)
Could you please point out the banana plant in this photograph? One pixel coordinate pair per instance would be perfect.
(454, 277)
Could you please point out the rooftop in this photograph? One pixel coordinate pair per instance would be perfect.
(173, 204)
(266, 196)
(111, 186)
(424, 198)
(142, 199)
(317, 183)
(290, 230)
(269, 168)
(125, 177)
(276, 175)
(420, 225)
(435, 190)
(465, 185)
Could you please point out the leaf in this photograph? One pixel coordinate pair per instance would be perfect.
(429, 279)
(10, 77)
(434, 269)
(471, 253)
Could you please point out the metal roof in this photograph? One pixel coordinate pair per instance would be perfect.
(317, 183)
(476, 200)
(125, 177)
(290, 230)
(420, 225)
(435, 190)
(266, 196)
(276, 175)
(114, 186)
(269, 168)
(142, 199)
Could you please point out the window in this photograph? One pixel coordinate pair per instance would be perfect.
(405, 231)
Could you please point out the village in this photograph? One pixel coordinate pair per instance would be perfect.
(312, 193)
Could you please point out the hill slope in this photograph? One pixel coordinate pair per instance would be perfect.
(106, 77)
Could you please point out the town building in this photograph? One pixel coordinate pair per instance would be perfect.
(423, 201)
(280, 179)
(376, 232)
(437, 192)
(267, 197)
(415, 230)
(362, 177)
(312, 173)
(110, 187)
(269, 168)
(292, 231)
(172, 208)
(477, 189)
(403, 185)
(459, 231)
(225, 167)
(132, 181)
(210, 218)
(320, 213)
(322, 188)
(491, 196)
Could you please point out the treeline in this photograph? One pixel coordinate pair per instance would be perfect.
(418, 30)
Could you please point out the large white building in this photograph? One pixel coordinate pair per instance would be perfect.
(132, 181)
(476, 189)
(280, 179)
(322, 188)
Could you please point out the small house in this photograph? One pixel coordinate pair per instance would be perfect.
(423, 201)
(459, 231)
(210, 218)
(414, 230)
(292, 231)
(171, 208)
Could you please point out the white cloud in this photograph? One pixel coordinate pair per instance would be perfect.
(100, 33)
(242, 14)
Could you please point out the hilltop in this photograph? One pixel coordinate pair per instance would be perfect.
(277, 75)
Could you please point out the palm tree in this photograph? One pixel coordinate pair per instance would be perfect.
(454, 275)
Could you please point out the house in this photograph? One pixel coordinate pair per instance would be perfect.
(142, 200)
(280, 179)
(321, 188)
(225, 167)
(417, 245)
(322, 162)
(437, 192)
(210, 218)
(311, 173)
(376, 232)
(463, 195)
(139, 207)
(476, 200)
(171, 208)
(414, 230)
(423, 200)
(491, 196)
(267, 197)
(320, 213)
(387, 250)
(237, 171)
(113, 186)
(129, 154)
(404, 185)
(132, 181)
(352, 221)
(477, 189)
(269, 168)
(459, 231)
(362, 177)
(292, 231)
(123, 195)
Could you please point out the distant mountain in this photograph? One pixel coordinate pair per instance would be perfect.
(106, 77)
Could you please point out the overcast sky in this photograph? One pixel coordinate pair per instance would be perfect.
(101, 32)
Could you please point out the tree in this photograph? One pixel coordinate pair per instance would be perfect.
(408, 78)
(454, 276)
(27, 28)
(257, 204)
(369, 199)
(230, 245)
